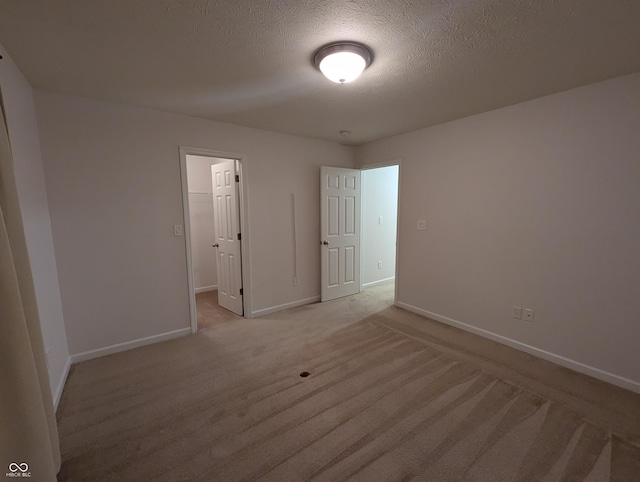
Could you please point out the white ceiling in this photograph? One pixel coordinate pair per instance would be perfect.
(248, 62)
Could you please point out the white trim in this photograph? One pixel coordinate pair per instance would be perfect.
(378, 282)
(552, 357)
(378, 165)
(285, 306)
(397, 273)
(63, 379)
(204, 289)
(129, 345)
(294, 229)
(245, 245)
(193, 316)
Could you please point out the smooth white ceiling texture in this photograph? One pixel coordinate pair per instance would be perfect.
(248, 62)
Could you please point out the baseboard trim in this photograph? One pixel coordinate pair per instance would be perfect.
(532, 350)
(63, 379)
(285, 306)
(206, 288)
(379, 282)
(129, 345)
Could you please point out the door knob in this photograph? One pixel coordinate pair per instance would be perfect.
(325, 242)
(215, 245)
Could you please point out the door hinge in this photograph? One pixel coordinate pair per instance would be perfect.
(239, 236)
(237, 178)
(241, 291)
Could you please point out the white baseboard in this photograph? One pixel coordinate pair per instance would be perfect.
(378, 282)
(285, 306)
(109, 350)
(58, 393)
(206, 288)
(552, 357)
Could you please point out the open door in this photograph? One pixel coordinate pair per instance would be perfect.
(227, 235)
(340, 232)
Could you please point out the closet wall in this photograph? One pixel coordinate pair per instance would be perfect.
(201, 222)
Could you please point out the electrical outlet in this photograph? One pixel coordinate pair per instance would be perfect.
(517, 312)
(177, 230)
(422, 224)
(379, 264)
(528, 315)
(296, 281)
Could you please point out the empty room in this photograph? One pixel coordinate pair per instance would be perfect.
(377, 241)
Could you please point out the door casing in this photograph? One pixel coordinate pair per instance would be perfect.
(244, 226)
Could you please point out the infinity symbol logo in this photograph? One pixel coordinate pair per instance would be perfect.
(23, 467)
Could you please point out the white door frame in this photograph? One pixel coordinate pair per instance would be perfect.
(244, 226)
(376, 165)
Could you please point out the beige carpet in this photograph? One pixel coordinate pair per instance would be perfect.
(208, 311)
(390, 396)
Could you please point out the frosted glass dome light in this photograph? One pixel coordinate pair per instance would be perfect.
(342, 67)
(342, 62)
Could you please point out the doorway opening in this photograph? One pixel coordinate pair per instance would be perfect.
(216, 231)
(379, 225)
(359, 228)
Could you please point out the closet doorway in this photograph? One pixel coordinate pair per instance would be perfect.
(213, 200)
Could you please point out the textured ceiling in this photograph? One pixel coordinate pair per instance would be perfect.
(248, 62)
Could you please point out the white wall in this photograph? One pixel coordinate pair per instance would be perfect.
(32, 194)
(113, 178)
(379, 200)
(203, 255)
(535, 205)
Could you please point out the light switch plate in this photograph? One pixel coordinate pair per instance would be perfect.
(177, 230)
(422, 224)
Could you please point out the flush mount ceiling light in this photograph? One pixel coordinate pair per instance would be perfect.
(342, 62)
